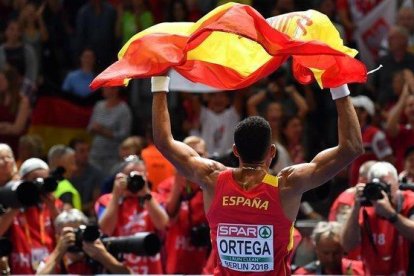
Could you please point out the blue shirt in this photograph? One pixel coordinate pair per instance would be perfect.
(77, 82)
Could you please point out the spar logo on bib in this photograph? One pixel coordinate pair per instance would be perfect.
(245, 247)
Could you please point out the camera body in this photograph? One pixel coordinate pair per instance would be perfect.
(87, 233)
(373, 191)
(135, 182)
(200, 235)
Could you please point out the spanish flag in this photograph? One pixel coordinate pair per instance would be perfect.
(233, 46)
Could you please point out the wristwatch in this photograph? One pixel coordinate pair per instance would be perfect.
(393, 219)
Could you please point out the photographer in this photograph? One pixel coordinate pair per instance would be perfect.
(30, 228)
(330, 254)
(63, 260)
(188, 234)
(385, 229)
(132, 208)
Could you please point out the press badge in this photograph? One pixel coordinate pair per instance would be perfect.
(245, 247)
(37, 256)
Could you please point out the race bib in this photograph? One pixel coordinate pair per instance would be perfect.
(37, 256)
(244, 247)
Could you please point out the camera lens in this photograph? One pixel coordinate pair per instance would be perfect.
(135, 182)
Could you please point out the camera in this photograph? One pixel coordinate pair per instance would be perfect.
(200, 235)
(406, 185)
(87, 233)
(135, 182)
(5, 247)
(373, 191)
(141, 244)
(18, 193)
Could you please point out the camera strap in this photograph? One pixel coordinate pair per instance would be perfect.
(367, 227)
(41, 226)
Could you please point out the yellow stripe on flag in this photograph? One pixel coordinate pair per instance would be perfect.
(241, 54)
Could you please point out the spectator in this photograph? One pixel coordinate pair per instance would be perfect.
(56, 53)
(384, 230)
(342, 206)
(34, 32)
(402, 135)
(330, 254)
(133, 17)
(95, 28)
(14, 52)
(178, 11)
(30, 229)
(124, 212)
(77, 82)
(398, 59)
(62, 261)
(158, 168)
(407, 175)
(110, 123)
(8, 168)
(405, 18)
(86, 178)
(15, 109)
(64, 157)
(132, 145)
(188, 234)
(30, 145)
(292, 135)
(375, 143)
(398, 82)
(217, 120)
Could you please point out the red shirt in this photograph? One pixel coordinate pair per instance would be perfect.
(392, 249)
(79, 267)
(340, 210)
(250, 234)
(179, 249)
(400, 143)
(376, 148)
(33, 238)
(132, 218)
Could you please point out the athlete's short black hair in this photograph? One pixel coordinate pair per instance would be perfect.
(252, 138)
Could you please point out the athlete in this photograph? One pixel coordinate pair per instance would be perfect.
(250, 212)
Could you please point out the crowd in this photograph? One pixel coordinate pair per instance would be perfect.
(117, 179)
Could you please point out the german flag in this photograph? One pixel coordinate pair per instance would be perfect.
(233, 46)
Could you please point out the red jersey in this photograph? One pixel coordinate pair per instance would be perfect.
(132, 218)
(178, 246)
(349, 267)
(250, 234)
(376, 148)
(387, 252)
(400, 143)
(67, 266)
(33, 238)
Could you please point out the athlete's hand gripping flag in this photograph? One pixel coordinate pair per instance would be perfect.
(233, 46)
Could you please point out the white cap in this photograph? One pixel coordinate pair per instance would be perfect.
(365, 103)
(32, 164)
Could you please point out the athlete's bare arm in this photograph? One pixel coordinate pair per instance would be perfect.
(186, 160)
(296, 180)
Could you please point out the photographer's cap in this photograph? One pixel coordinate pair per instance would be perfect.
(32, 164)
(365, 103)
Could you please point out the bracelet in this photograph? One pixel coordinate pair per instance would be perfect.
(340, 92)
(394, 218)
(160, 84)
